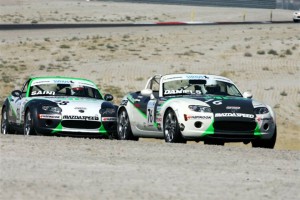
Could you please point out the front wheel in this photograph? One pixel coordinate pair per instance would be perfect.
(5, 128)
(28, 124)
(172, 132)
(124, 128)
(269, 143)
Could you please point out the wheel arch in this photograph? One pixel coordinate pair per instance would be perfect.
(32, 107)
(5, 104)
(119, 111)
(164, 116)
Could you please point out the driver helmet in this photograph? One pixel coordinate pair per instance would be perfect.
(77, 88)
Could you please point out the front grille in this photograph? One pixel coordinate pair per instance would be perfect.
(235, 126)
(80, 124)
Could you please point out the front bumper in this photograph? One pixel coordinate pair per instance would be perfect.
(75, 127)
(204, 127)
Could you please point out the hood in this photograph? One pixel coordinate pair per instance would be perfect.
(78, 106)
(228, 108)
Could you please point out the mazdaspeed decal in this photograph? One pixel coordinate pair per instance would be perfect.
(235, 115)
(87, 118)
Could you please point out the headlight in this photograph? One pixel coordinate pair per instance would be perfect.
(200, 108)
(53, 109)
(261, 110)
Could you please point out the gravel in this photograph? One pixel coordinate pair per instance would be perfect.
(39, 167)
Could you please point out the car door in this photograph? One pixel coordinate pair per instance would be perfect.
(141, 103)
(147, 107)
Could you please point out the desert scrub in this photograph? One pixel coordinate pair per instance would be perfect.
(139, 79)
(64, 46)
(288, 52)
(234, 48)
(182, 69)
(227, 73)
(283, 93)
(6, 79)
(277, 106)
(92, 48)
(272, 52)
(42, 67)
(247, 54)
(114, 90)
(261, 52)
(65, 58)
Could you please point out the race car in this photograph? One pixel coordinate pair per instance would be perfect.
(59, 106)
(197, 107)
(296, 16)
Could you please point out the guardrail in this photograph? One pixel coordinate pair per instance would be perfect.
(175, 23)
(270, 4)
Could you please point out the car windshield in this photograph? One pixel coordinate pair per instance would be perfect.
(53, 89)
(199, 87)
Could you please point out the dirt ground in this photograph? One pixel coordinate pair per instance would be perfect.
(76, 168)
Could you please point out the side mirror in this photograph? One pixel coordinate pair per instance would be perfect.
(108, 97)
(148, 93)
(16, 93)
(247, 95)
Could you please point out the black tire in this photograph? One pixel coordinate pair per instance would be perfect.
(172, 132)
(5, 127)
(28, 124)
(269, 144)
(113, 136)
(124, 128)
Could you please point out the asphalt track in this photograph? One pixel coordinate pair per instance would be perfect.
(113, 25)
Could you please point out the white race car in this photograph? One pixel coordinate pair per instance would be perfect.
(181, 107)
(59, 106)
(296, 16)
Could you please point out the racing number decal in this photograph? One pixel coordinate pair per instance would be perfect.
(217, 102)
(150, 112)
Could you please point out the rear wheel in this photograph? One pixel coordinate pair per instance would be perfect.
(124, 128)
(5, 128)
(269, 143)
(172, 132)
(28, 124)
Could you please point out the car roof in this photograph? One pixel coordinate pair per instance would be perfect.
(196, 76)
(59, 77)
